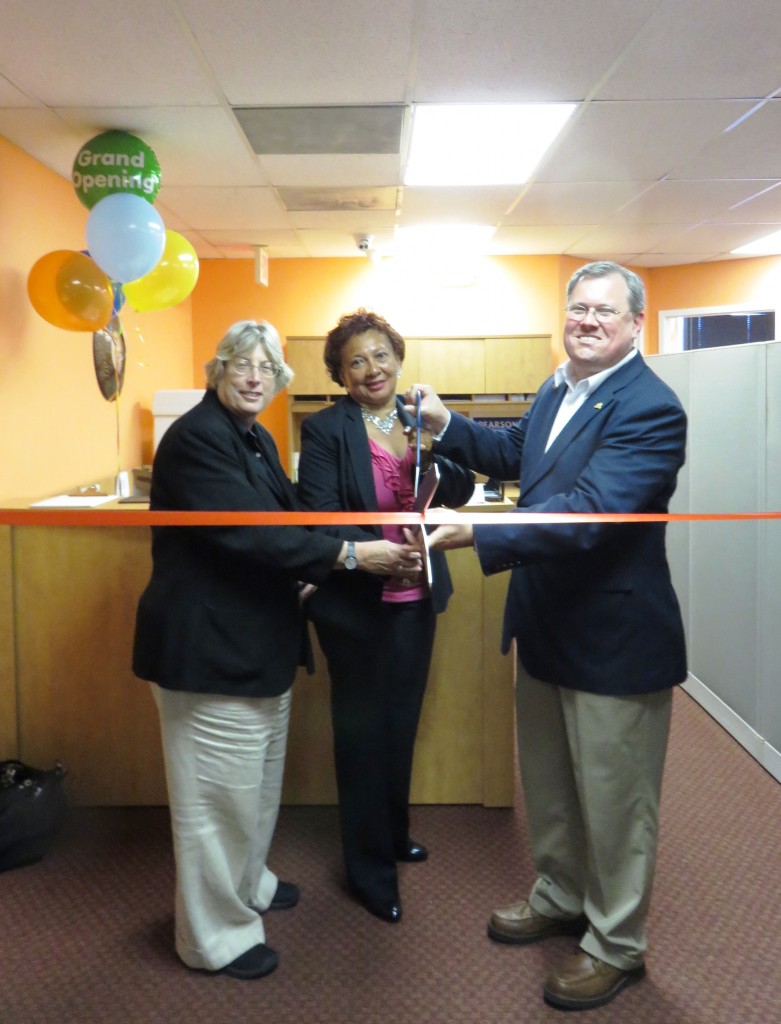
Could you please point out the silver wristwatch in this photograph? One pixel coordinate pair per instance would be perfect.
(350, 561)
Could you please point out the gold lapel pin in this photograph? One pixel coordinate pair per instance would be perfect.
(599, 405)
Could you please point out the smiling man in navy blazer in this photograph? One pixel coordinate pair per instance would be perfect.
(597, 625)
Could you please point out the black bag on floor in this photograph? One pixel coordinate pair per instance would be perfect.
(32, 808)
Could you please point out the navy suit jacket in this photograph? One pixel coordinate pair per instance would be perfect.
(221, 612)
(335, 475)
(591, 606)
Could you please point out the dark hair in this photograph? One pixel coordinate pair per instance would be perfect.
(350, 325)
(603, 268)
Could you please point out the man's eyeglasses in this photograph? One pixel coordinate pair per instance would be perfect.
(602, 314)
(243, 368)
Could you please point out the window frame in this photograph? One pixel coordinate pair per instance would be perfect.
(670, 346)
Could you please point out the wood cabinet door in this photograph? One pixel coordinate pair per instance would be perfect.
(517, 365)
(305, 356)
(454, 366)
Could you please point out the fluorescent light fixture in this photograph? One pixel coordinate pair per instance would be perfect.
(435, 239)
(481, 144)
(770, 245)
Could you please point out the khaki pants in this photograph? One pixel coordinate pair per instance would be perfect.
(224, 761)
(591, 768)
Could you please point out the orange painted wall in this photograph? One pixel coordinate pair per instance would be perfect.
(751, 282)
(57, 429)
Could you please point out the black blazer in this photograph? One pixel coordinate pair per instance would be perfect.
(591, 606)
(335, 475)
(221, 612)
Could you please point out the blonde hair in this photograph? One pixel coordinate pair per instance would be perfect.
(243, 337)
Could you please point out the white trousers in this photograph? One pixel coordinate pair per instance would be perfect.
(224, 761)
(591, 768)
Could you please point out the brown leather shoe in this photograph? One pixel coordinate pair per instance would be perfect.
(521, 924)
(583, 982)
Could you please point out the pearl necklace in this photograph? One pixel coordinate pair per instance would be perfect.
(383, 423)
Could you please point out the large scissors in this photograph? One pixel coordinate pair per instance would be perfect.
(419, 427)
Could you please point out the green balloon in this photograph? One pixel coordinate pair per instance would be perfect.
(115, 162)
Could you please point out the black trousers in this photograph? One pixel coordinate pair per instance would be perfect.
(377, 688)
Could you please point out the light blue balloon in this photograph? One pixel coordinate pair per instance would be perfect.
(125, 236)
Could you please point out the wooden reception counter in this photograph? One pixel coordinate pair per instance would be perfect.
(67, 607)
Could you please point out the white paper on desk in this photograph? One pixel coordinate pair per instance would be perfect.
(71, 501)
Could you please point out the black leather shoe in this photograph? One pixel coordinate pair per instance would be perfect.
(286, 896)
(390, 912)
(257, 962)
(412, 853)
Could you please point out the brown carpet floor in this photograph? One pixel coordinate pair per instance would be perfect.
(86, 934)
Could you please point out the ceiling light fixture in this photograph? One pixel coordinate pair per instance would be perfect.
(769, 245)
(437, 239)
(481, 144)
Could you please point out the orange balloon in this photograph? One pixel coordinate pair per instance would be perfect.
(69, 290)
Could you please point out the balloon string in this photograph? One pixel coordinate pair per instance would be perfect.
(115, 364)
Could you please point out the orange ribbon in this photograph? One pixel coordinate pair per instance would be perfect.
(434, 517)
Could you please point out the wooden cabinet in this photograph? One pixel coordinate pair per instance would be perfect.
(305, 356)
(517, 365)
(465, 371)
(67, 617)
(454, 366)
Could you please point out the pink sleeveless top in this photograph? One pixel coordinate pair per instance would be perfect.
(393, 486)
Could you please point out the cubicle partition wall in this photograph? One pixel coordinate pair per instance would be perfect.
(727, 572)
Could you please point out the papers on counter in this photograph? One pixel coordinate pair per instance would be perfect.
(72, 501)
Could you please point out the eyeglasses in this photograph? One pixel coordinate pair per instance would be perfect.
(243, 368)
(602, 314)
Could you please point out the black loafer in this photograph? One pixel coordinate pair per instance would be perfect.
(390, 912)
(257, 962)
(412, 853)
(286, 896)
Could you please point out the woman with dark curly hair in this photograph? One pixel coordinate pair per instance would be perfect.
(377, 634)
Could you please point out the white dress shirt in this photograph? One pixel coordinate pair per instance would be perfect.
(577, 392)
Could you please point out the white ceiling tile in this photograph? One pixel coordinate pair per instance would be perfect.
(712, 238)
(193, 145)
(751, 150)
(305, 52)
(506, 51)
(565, 202)
(670, 259)
(684, 202)
(332, 171)
(350, 221)
(690, 40)
(251, 238)
(468, 205)
(619, 237)
(636, 141)
(10, 96)
(763, 208)
(643, 167)
(334, 243)
(206, 208)
(533, 241)
(90, 53)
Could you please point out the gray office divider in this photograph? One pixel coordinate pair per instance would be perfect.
(727, 573)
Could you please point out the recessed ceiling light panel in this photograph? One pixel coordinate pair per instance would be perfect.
(481, 144)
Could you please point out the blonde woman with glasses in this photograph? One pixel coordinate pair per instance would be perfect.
(219, 635)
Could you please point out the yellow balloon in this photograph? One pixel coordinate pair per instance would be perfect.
(68, 289)
(170, 281)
